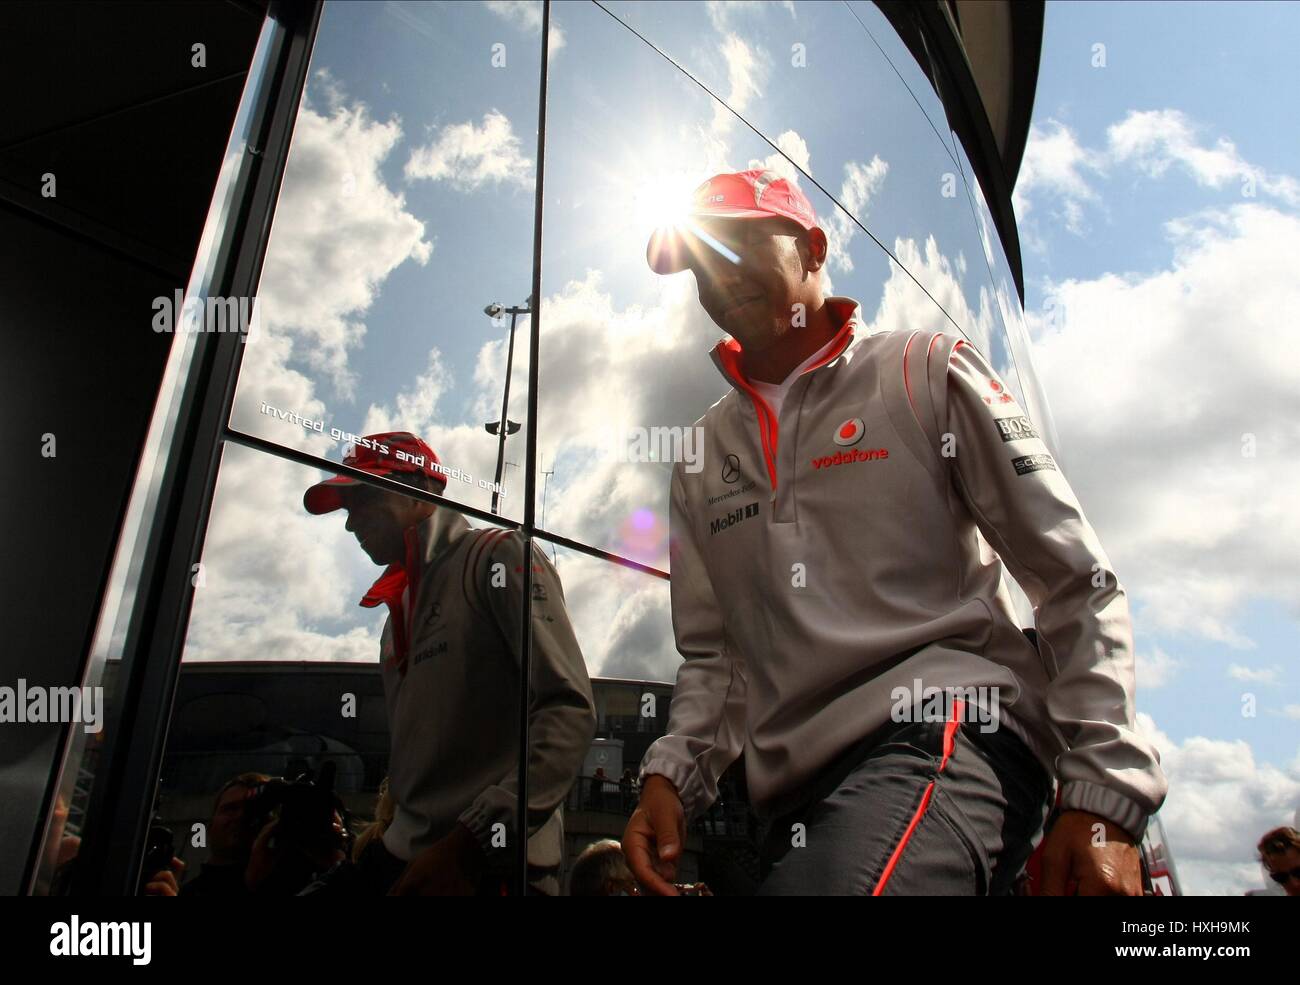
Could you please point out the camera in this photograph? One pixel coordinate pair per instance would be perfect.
(305, 809)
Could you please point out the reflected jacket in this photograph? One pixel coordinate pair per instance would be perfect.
(451, 674)
(826, 562)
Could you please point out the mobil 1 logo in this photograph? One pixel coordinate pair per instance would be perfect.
(732, 518)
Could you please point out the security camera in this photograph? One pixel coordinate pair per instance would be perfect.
(493, 309)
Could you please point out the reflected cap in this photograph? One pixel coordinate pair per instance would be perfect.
(754, 194)
(377, 454)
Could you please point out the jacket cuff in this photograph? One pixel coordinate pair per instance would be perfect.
(1079, 795)
(479, 817)
(679, 776)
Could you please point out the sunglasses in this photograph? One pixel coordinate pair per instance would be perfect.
(1282, 878)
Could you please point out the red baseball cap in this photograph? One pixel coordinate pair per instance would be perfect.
(374, 453)
(754, 194)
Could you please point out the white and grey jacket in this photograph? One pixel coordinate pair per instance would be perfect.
(453, 692)
(821, 561)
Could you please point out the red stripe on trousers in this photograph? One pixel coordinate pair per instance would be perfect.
(949, 742)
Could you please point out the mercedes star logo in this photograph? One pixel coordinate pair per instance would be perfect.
(730, 468)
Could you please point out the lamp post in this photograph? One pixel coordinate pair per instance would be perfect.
(504, 426)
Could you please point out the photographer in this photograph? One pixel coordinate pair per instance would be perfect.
(230, 840)
(302, 837)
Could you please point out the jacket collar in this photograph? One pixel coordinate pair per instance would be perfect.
(424, 542)
(726, 354)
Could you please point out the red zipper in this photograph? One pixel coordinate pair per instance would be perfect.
(768, 425)
(729, 355)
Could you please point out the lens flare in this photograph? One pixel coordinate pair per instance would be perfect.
(643, 537)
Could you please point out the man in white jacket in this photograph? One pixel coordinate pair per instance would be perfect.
(844, 626)
(451, 672)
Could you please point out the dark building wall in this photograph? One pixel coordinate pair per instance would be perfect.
(104, 97)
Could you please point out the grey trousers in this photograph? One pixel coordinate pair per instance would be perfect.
(918, 809)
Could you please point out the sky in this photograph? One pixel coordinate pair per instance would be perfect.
(1157, 184)
(1159, 215)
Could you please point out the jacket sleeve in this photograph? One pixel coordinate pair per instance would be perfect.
(706, 722)
(561, 710)
(1027, 511)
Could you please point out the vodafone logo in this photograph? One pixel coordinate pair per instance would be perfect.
(1000, 394)
(850, 432)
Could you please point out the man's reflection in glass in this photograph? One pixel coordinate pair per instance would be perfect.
(451, 671)
(230, 840)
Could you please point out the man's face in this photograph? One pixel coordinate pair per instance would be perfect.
(228, 837)
(379, 520)
(1288, 861)
(753, 300)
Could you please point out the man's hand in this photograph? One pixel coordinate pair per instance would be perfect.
(652, 843)
(1102, 863)
(450, 867)
(261, 858)
(166, 882)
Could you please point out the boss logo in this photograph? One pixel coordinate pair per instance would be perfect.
(1015, 428)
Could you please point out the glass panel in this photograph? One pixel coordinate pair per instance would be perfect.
(986, 329)
(1002, 337)
(406, 210)
(901, 59)
(812, 81)
(623, 626)
(624, 367)
(1013, 319)
(623, 364)
(286, 676)
(1009, 346)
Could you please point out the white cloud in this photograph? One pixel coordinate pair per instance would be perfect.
(1221, 801)
(904, 305)
(1062, 172)
(1171, 385)
(1155, 669)
(414, 409)
(469, 156)
(277, 581)
(339, 232)
(1263, 675)
(1155, 140)
(861, 184)
(747, 70)
(527, 14)
(622, 619)
(724, 13)
(1056, 163)
(794, 151)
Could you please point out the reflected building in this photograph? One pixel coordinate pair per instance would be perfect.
(441, 211)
